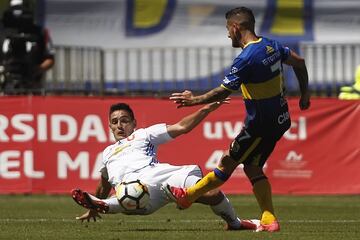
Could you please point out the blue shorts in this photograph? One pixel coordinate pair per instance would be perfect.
(252, 150)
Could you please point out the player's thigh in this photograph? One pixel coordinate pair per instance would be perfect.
(178, 176)
(186, 176)
(251, 150)
(158, 199)
(161, 174)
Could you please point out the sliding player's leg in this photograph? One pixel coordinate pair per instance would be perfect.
(222, 207)
(89, 201)
(184, 197)
(217, 201)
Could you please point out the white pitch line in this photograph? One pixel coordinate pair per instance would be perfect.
(322, 221)
(162, 221)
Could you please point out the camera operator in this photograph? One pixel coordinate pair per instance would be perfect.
(26, 51)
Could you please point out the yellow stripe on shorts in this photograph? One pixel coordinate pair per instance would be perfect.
(250, 149)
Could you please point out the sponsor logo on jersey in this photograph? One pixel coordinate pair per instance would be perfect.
(234, 70)
(226, 80)
(283, 117)
(269, 49)
(119, 149)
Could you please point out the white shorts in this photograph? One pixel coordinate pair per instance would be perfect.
(157, 175)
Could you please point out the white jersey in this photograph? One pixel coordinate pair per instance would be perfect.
(135, 158)
(133, 153)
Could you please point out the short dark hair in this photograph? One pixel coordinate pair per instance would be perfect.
(121, 106)
(249, 22)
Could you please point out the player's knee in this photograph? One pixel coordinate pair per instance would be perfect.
(234, 150)
(252, 170)
(254, 173)
(258, 178)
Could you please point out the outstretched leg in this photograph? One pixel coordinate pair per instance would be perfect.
(185, 197)
(88, 201)
(222, 207)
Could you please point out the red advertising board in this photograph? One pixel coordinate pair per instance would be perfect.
(54, 144)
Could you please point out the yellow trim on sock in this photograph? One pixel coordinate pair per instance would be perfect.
(207, 183)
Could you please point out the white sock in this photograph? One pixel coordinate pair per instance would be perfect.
(225, 210)
(114, 205)
(112, 202)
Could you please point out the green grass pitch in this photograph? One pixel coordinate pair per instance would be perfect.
(301, 217)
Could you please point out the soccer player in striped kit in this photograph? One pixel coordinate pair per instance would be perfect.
(257, 73)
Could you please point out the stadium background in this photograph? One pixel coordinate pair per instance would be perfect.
(139, 51)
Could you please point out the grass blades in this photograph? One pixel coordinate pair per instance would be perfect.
(301, 217)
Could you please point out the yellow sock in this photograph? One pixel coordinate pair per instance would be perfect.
(267, 218)
(262, 191)
(207, 183)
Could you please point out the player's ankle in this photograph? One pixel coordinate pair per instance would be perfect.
(267, 217)
(234, 223)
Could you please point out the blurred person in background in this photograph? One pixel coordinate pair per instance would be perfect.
(257, 72)
(26, 51)
(351, 92)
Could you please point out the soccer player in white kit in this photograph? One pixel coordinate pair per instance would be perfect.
(133, 157)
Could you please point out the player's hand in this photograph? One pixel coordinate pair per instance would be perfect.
(91, 214)
(182, 99)
(215, 105)
(304, 102)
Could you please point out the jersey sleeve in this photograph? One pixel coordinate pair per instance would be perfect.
(233, 80)
(285, 52)
(158, 134)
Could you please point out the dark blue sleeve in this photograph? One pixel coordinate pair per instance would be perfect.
(285, 52)
(233, 80)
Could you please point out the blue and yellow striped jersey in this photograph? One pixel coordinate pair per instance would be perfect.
(257, 72)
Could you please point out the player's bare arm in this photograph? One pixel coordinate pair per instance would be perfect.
(186, 98)
(298, 64)
(189, 122)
